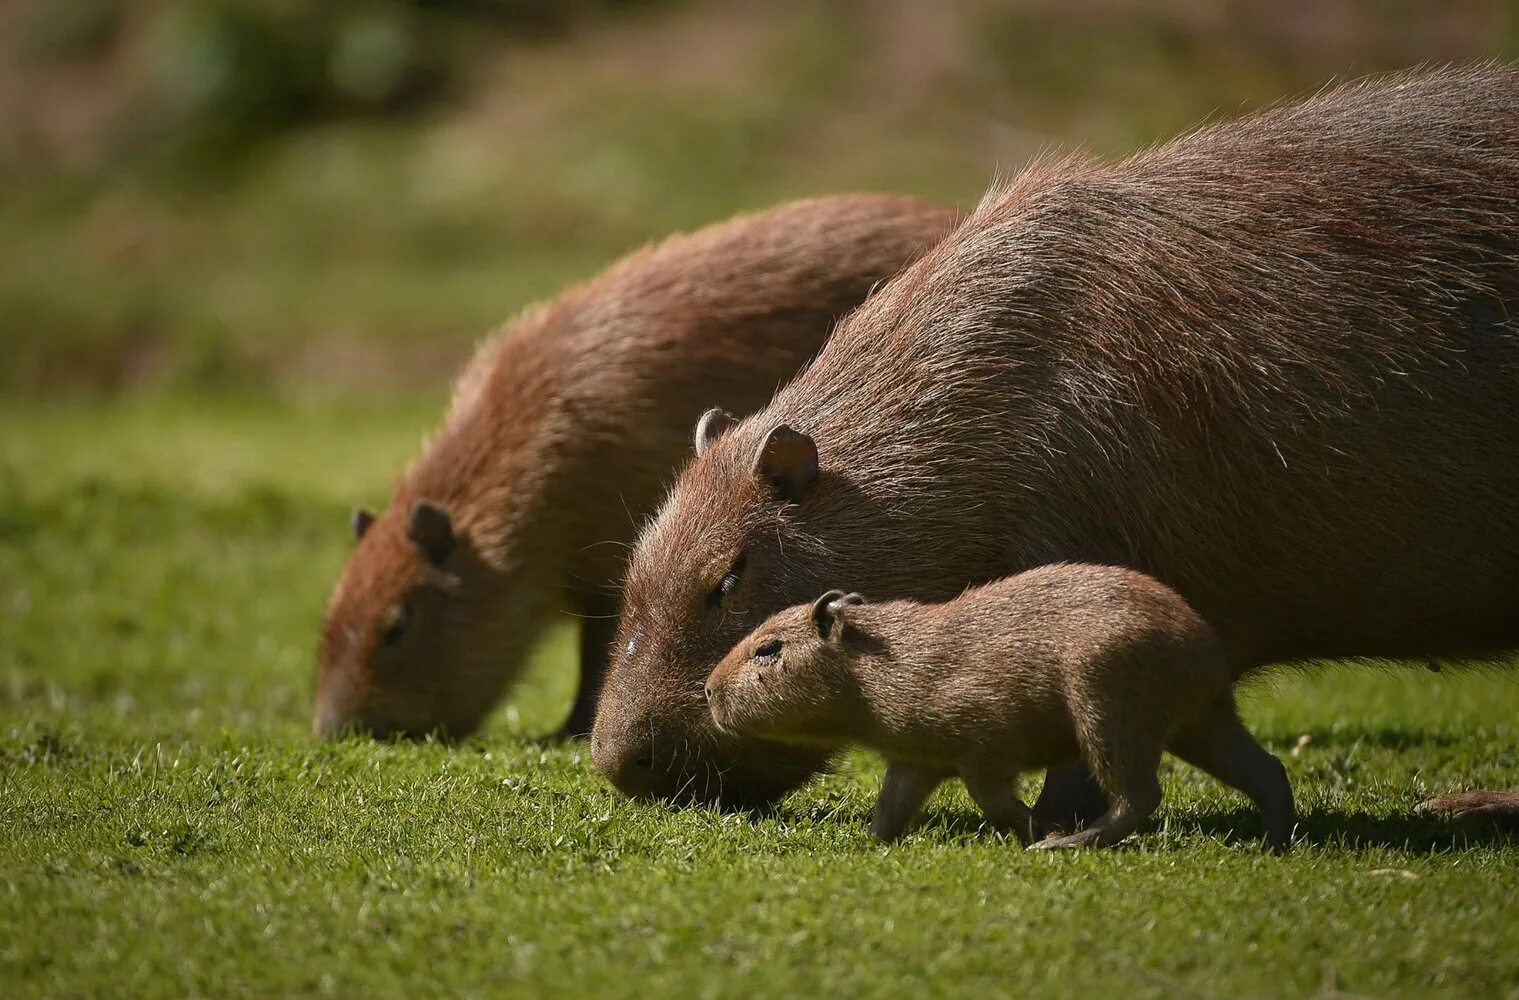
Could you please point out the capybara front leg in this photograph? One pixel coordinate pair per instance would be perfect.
(903, 793)
(1224, 748)
(598, 629)
(995, 792)
(1070, 799)
(1131, 807)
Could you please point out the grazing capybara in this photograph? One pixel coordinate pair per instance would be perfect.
(563, 432)
(1061, 663)
(1273, 364)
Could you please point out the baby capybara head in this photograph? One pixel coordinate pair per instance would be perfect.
(715, 562)
(413, 595)
(788, 679)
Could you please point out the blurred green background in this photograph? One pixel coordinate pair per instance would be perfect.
(253, 194)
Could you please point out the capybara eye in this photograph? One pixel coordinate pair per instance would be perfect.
(768, 649)
(394, 624)
(728, 582)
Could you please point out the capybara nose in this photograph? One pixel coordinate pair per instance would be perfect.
(330, 721)
(337, 716)
(335, 725)
(634, 776)
(628, 764)
(708, 692)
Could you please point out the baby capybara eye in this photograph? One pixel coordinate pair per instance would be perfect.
(768, 649)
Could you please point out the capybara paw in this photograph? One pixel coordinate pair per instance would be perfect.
(1083, 838)
(1500, 807)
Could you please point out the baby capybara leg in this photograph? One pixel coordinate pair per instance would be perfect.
(1133, 802)
(1222, 746)
(995, 792)
(1070, 799)
(903, 793)
(1124, 758)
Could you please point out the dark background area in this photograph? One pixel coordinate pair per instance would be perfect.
(218, 194)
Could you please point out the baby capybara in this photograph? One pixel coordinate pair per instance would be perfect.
(562, 433)
(1060, 663)
(1273, 364)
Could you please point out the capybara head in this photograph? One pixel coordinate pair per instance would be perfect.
(788, 679)
(415, 592)
(716, 561)
(562, 436)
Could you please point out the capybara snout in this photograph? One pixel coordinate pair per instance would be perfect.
(774, 679)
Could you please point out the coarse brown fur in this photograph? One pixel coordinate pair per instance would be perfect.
(563, 432)
(1061, 663)
(1273, 364)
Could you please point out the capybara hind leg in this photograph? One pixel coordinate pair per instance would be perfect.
(1070, 799)
(1501, 808)
(903, 793)
(1224, 748)
(598, 629)
(1131, 807)
(995, 792)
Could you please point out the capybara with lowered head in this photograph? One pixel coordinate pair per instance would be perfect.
(1061, 663)
(1273, 364)
(563, 432)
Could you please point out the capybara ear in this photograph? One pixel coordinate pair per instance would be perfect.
(362, 519)
(823, 612)
(713, 424)
(788, 461)
(849, 600)
(432, 531)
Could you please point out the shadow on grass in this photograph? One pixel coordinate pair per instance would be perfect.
(1414, 832)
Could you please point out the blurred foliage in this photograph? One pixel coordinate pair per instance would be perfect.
(212, 77)
(223, 192)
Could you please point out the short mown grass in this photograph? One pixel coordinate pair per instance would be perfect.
(168, 827)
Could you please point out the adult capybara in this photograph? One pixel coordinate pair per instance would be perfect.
(1273, 364)
(562, 433)
(1061, 663)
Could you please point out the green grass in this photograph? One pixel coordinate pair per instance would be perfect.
(169, 828)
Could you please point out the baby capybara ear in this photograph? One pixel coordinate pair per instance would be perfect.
(432, 531)
(713, 424)
(828, 612)
(788, 461)
(362, 519)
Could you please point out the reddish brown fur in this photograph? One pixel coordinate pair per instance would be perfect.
(562, 433)
(1273, 364)
(1060, 663)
